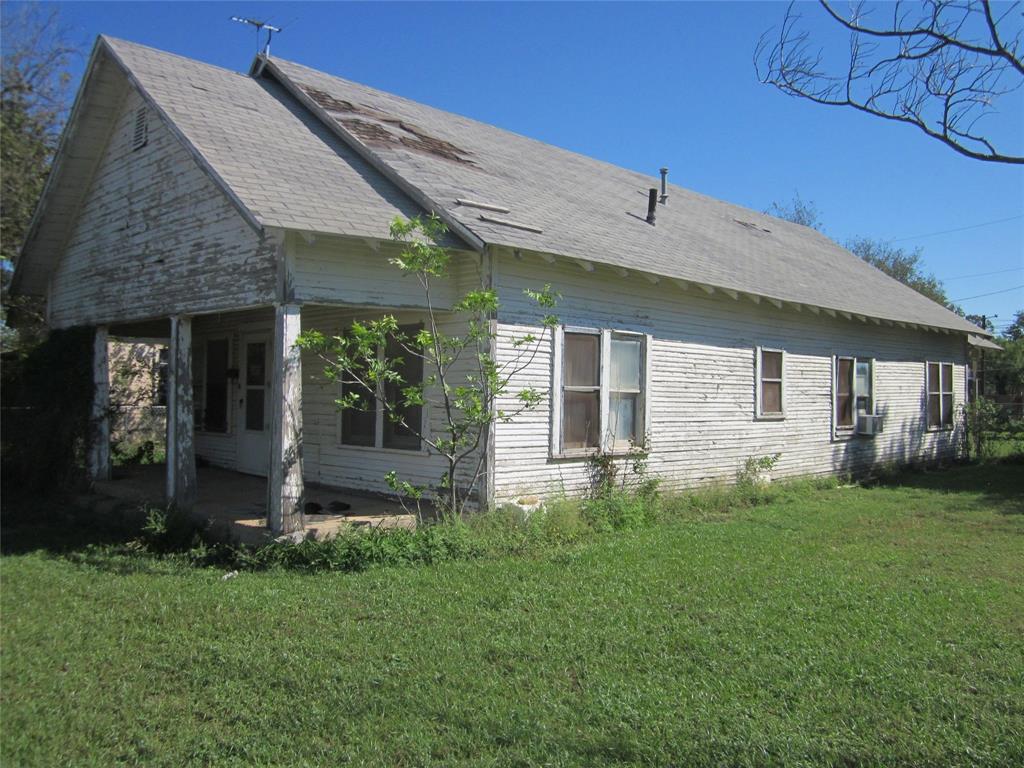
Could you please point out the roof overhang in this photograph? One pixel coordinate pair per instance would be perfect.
(980, 342)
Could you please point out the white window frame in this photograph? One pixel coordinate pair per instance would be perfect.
(605, 440)
(203, 384)
(379, 419)
(851, 429)
(928, 392)
(758, 379)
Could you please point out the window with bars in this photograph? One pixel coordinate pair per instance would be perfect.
(770, 388)
(601, 384)
(940, 395)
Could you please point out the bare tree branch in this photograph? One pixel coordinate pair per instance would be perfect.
(938, 65)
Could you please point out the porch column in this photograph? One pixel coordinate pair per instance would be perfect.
(99, 433)
(181, 455)
(284, 482)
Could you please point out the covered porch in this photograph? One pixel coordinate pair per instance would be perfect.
(234, 505)
(253, 441)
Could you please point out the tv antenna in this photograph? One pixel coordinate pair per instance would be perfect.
(260, 26)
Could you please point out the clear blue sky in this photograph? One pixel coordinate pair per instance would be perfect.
(643, 85)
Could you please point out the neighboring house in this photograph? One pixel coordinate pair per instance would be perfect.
(222, 212)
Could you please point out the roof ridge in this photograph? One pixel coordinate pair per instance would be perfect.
(111, 41)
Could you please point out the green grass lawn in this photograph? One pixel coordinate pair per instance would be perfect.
(855, 626)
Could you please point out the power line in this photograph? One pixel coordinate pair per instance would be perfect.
(958, 229)
(993, 293)
(984, 274)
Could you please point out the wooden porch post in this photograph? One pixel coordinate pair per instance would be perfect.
(284, 482)
(99, 437)
(181, 456)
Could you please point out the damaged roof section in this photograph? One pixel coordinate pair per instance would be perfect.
(377, 128)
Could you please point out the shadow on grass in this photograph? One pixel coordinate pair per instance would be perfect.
(1000, 483)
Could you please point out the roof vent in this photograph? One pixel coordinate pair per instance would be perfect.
(664, 186)
(652, 203)
(141, 134)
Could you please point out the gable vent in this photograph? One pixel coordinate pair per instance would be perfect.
(141, 134)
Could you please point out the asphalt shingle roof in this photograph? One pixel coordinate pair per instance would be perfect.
(284, 164)
(280, 161)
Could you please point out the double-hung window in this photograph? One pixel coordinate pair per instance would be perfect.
(854, 391)
(940, 395)
(600, 391)
(770, 391)
(368, 424)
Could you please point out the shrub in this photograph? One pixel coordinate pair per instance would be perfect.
(47, 394)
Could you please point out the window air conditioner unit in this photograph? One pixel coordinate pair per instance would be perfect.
(869, 425)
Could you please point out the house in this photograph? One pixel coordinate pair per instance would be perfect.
(224, 212)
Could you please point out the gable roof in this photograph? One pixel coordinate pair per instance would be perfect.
(580, 207)
(299, 149)
(278, 163)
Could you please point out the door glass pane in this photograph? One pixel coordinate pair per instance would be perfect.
(771, 365)
(933, 377)
(622, 414)
(256, 363)
(581, 360)
(947, 378)
(625, 364)
(254, 409)
(771, 397)
(580, 420)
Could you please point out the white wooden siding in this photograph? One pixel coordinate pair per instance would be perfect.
(155, 236)
(703, 387)
(354, 271)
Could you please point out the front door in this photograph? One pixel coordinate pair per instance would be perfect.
(254, 407)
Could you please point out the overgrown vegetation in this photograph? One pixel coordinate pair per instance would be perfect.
(45, 416)
(841, 626)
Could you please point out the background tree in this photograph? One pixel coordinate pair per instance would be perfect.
(797, 211)
(462, 383)
(939, 65)
(905, 266)
(34, 101)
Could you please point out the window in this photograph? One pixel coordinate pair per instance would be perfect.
(211, 386)
(626, 362)
(397, 434)
(215, 408)
(940, 395)
(854, 391)
(770, 365)
(601, 400)
(368, 425)
(581, 391)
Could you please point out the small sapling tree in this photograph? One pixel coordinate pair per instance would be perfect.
(462, 383)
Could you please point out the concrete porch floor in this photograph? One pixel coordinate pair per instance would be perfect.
(236, 503)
